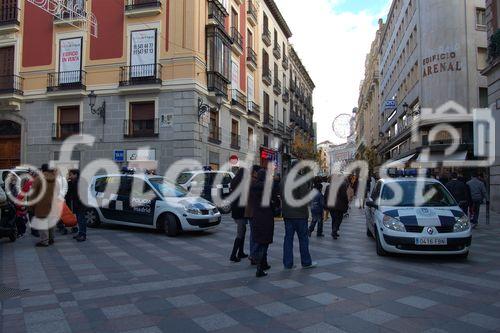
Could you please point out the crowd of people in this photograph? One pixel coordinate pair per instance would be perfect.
(56, 204)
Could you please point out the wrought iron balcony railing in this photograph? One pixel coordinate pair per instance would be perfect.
(253, 109)
(251, 56)
(235, 141)
(285, 61)
(277, 51)
(236, 38)
(217, 12)
(141, 74)
(266, 36)
(143, 128)
(267, 77)
(286, 95)
(11, 84)
(238, 98)
(63, 131)
(69, 80)
(268, 120)
(252, 11)
(214, 134)
(217, 83)
(142, 4)
(9, 13)
(494, 47)
(277, 86)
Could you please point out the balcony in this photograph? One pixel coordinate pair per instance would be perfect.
(238, 101)
(142, 8)
(268, 121)
(251, 59)
(252, 13)
(9, 17)
(214, 134)
(141, 128)
(285, 62)
(277, 86)
(217, 13)
(237, 40)
(281, 127)
(253, 112)
(267, 77)
(292, 86)
(64, 81)
(286, 95)
(266, 36)
(217, 83)
(235, 141)
(64, 131)
(72, 16)
(494, 47)
(277, 51)
(141, 77)
(11, 92)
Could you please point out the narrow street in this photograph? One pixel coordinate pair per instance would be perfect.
(131, 280)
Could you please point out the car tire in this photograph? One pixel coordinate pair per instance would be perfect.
(170, 226)
(368, 233)
(380, 250)
(463, 256)
(13, 236)
(92, 218)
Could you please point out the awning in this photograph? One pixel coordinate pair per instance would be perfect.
(441, 157)
(400, 162)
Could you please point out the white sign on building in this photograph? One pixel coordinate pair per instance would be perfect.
(143, 53)
(70, 60)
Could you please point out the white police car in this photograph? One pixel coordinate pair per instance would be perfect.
(401, 224)
(150, 202)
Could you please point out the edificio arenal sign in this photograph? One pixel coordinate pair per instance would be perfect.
(390, 104)
(441, 62)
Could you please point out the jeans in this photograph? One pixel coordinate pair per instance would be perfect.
(46, 235)
(476, 205)
(298, 226)
(337, 217)
(82, 224)
(317, 219)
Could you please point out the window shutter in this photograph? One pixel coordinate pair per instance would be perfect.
(69, 114)
(142, 111)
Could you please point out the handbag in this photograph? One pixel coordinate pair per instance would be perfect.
(67, 217)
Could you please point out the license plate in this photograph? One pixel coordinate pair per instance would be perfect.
(431, 241)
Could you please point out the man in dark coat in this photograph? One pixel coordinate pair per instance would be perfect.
(460, 192)
(249, 216)
(262, 225)
(338, 208)
(75, 203)
(238, 215)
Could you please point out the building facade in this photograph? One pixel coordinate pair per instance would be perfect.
(493, 73)
(178, 79)
(426, 61)
(368, 117)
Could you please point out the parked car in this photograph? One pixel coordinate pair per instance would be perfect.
(149, 202)
(437, 225)
(203, 182)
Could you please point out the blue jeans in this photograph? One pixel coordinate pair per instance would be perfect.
(298, 226)
(82, 224)
(317, 219)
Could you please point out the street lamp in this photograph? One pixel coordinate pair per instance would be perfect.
(101, 110)
(405, 107)
(204, 108)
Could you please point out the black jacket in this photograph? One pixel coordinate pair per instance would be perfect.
(237, 211)
(73, 199)
(262, 224)
(341, 203)
(459, 190)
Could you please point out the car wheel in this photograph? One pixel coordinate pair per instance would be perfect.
(368, 233)
(92, 218)
(463, 256)
(170, 226)
(380, 250)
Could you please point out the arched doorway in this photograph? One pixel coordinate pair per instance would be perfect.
(10, 144)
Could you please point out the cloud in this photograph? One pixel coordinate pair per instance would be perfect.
(333, 46)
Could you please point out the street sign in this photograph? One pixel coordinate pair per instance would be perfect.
(119, 156)
(391, 104)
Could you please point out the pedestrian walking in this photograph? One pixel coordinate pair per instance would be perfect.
(249, 211)
(478, 195)
(317, 207)
(338, 207)
(262, 224)
(45, 211)
(75, 203)
(238, 215)
(460, 191)
(296, 220)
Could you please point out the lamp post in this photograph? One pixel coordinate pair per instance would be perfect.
(204, 108)
(101, 110)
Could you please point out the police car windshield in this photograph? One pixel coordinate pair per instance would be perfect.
(167, 189)
(434, 195)
(184, 177)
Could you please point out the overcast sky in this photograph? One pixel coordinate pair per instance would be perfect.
(332, 37)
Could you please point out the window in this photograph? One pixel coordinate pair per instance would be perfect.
(266, 141)
(235, 75)
(265, 62)
(480, 18)
(142, 122)
(214, 130)
(234, 19)
(250, 38)
(483, 97)
(218, 52)
(68, 121)
(266, 23)
(250, 139)
(482, 58)
(266, 104)
(235, 134)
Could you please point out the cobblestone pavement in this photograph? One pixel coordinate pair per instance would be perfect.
(131, 280)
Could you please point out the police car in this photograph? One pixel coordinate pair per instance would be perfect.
(150, 202)
(408, 222)
(204, 182)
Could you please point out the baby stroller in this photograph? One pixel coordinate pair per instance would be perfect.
(8, 226)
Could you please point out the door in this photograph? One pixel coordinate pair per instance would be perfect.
(371, 212)
(142, 203)
(10, 144)
(6, 68)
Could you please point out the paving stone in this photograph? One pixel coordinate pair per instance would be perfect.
(240, 291)
(185, 300)
(120, 311)
(325, 276)
(275, 309)
(367, 288)
(286, 284)
(321, 328)
(215, 322)
(481, 320)
(416, 301)
(375, 316)
(324, 298)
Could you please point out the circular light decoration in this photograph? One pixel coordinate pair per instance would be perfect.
(342, 126)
